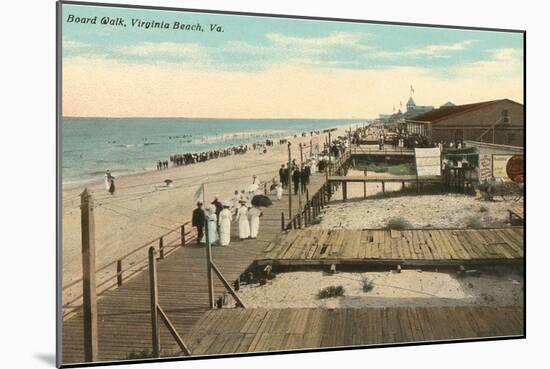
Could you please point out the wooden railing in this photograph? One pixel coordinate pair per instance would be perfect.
(165, 245)
(312, 206)
(157, 311)
(390, 151)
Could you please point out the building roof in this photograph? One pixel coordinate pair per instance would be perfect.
(447, 104)
(411, 102)
(442, 113)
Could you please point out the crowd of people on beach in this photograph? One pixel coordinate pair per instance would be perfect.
(198, 157)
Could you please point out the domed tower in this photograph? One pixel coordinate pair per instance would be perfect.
(411, 104)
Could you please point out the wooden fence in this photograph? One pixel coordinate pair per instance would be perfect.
(126, 266)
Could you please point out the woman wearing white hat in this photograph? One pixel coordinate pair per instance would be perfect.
(242, 219)
(212, 224)
(225, 225)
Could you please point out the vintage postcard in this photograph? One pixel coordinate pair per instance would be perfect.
(238, 183)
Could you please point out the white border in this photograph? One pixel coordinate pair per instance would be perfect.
(28, 160)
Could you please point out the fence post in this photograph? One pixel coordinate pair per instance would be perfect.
(210, 281)
(89, 293)
(289, 183)
(119, 272)
(183, 235)
(161, 248)
(155, 332)
(344, 191)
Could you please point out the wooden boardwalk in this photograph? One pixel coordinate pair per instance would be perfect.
(124, 313)
(255, 330)
(414, 247)
(124, 320)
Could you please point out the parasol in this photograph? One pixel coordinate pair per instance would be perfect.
(261, 200)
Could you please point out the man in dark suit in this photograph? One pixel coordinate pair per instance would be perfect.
(303, 179)
(282, 178)
(198, 221)
(308, 173)
(296, 179)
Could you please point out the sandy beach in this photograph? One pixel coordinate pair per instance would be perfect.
(408, 288)
(142, 208)
(424, 211)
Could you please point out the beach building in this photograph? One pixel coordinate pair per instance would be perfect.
(398, 118)
(498, 122)
(415, 110)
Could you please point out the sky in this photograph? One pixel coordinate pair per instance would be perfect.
(267, 67)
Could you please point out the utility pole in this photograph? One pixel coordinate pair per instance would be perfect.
(329, 148)
(301, 157)
(289, 184)
(89, 292)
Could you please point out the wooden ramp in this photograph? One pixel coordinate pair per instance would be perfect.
(254, 330)
(124, 321)
(414, 247)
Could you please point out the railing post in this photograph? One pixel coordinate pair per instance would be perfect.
(183, 235)
(89, 293)
(119, 272)
(210, 281)
(155, 332)
(289, 183)
(161, 248)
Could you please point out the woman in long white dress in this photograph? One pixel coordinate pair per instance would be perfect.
(242, 219)
(313, 167)
(279, 189)
(225, 225)
(235, 202)
(254, 213)
(212, 225)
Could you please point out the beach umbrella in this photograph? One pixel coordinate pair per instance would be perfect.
(261, 200)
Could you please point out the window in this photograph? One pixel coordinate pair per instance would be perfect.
(505, 118)
(511, 137)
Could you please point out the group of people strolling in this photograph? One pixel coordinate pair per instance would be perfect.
(214, 220)
(299, 177)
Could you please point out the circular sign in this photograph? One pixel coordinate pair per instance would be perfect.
(514, 169)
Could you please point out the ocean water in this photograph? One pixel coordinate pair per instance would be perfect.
(90, 146)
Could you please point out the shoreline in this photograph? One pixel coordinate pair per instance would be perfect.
(68, 186)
